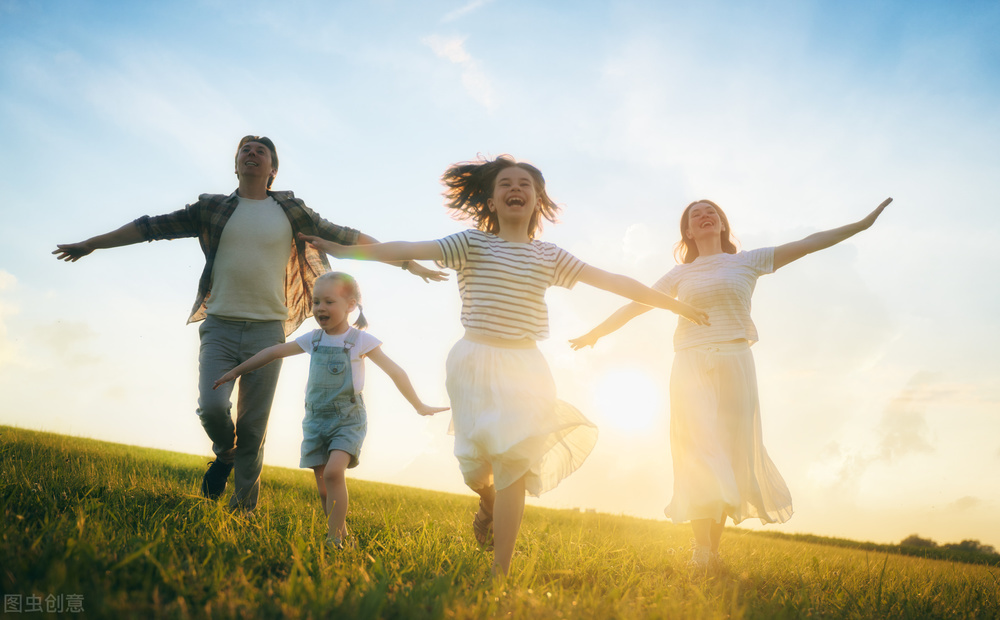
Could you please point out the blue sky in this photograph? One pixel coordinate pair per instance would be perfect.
(877, 358)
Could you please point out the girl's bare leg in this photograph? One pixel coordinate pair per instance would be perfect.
(318, 472)
(702, 529)
(487, 496)
(335, 481)
(507, 512)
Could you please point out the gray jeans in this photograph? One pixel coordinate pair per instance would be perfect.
(225, 344)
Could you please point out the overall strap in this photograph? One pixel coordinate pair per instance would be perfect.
(317, 336)
(351, 338)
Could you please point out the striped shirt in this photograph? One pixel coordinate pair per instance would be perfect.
(207, 217)
(721, 285)
(502, 284)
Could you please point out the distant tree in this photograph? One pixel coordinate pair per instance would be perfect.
(970, 545)
(915, 541)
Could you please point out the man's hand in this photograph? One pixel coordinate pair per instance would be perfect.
(72, 252)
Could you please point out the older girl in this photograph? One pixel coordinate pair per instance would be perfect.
(512, 436)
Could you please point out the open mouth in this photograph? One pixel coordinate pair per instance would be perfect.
(515, 201)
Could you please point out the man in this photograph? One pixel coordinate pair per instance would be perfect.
(256, 289)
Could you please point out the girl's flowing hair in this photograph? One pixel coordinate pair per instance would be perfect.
(685, 250)
(350, 289)
(470, 184)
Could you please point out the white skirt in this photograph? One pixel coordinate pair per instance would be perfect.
(720, 465)
(507, 420)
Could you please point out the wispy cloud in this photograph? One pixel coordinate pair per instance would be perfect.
(902, 431)
(465, 10)
(966, 503)
(474, 80)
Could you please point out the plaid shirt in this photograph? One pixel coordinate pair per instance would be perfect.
(206, 218)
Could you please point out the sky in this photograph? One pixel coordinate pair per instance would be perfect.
(877, 358)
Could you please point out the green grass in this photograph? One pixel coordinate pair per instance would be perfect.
(125, 528)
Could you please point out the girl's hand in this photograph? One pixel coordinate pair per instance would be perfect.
(333, 249)
(226, 378)
(585, 340)
(693, 314)
(428, 410)
(428, 275)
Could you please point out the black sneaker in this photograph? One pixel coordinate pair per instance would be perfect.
(213, 484)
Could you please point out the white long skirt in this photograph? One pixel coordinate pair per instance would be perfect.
(508, 422)
(720, 465)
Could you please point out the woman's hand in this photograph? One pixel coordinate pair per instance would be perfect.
(871, 217)
(586, 340)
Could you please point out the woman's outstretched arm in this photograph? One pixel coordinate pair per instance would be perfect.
(636, 291)
(611, 324)
(784, 254)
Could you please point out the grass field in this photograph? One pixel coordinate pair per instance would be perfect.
(121, 531)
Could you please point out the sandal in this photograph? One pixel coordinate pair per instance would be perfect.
(482, 527)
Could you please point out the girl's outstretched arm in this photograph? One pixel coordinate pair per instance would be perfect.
(402, 381)
(263, 358)
(611, 324)
(784, 254)
(636, 291)
(415, 268)
(393, 251)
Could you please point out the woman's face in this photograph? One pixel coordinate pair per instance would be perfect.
(703, 221)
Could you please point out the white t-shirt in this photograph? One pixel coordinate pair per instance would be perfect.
(364, 344)
(502, 284)
(248, 277)
(721, 285)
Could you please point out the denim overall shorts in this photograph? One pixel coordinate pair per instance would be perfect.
(335, 415)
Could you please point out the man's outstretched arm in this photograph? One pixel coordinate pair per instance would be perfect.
(126, 235)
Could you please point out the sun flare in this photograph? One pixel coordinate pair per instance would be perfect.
(628, 399)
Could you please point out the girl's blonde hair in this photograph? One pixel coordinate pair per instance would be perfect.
(351, 291)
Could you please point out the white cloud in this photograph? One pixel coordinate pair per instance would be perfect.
(474, 79)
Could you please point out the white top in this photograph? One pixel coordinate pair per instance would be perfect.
(364, 344)
(721, 285)
(502, 284)
(248, 277)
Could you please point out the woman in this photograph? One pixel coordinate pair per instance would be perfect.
(721, 469)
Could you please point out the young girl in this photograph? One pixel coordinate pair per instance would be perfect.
(335, 423)
(721, 469)
(512, 436)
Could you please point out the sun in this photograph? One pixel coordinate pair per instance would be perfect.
(628, 399)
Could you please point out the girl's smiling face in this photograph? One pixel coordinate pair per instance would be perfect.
(332, 306)
(514, 194)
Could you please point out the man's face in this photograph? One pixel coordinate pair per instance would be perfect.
(254, 161)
